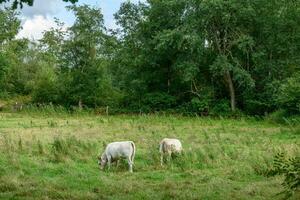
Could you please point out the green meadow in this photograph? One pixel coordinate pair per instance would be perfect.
(55, 157)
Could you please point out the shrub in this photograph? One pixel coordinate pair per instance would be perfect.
(196, 106)
(157, 101)
(200, 105)
(288, 96)
(221, 107)
(289, 167)
(45, 89)
(277, 116)
(70, 148)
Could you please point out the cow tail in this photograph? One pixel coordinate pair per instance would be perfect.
(133, 152)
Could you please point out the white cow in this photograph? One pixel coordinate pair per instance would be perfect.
(115, 151)
(169, 146)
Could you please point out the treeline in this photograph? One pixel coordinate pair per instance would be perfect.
(187, 56)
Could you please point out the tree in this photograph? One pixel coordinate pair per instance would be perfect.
(151, 47)
(227, 37)
(9, 26)
(81, 58)
(275, 30)
(208, 57)
(237, 49)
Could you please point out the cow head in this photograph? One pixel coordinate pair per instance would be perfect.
(102, 160)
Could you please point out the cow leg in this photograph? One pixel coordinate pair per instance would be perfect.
(130, 163)
(108, 162)
(117, 163)
(161, 159)
(169, 156)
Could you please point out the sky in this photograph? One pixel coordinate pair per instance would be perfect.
(40, 17)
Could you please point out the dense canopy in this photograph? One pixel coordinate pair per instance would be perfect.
(184, 56)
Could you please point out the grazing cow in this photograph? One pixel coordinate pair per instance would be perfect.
(115, 151)
(169, 146)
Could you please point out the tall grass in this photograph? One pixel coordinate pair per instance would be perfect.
(71, 148)
(51, 110)
(55, 157)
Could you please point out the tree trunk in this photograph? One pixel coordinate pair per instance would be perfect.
(231, 90)
(106, 110)
(80, 104)
(169, 81)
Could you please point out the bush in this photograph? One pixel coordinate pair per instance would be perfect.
(288, 96)
(157, 101)
(262, 102)
(196, 106)
(221, 107)
(45, 89)
(289, 167)
(200, 105)
(277, 116)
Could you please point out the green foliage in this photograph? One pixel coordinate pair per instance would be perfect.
(278, 116)
(199, 105)
(9, 25)
(157, 101)
(262, 103)
(289, 167)
(288, 96)
(221, 35)
(82, 76)
(45, 89)
(222, 107)
(3, 73)
(194, 57)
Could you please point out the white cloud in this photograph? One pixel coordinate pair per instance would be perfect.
(40, 17)
(43, 7)
(33, 28)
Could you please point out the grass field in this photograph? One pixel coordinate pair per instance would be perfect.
(54, 157)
